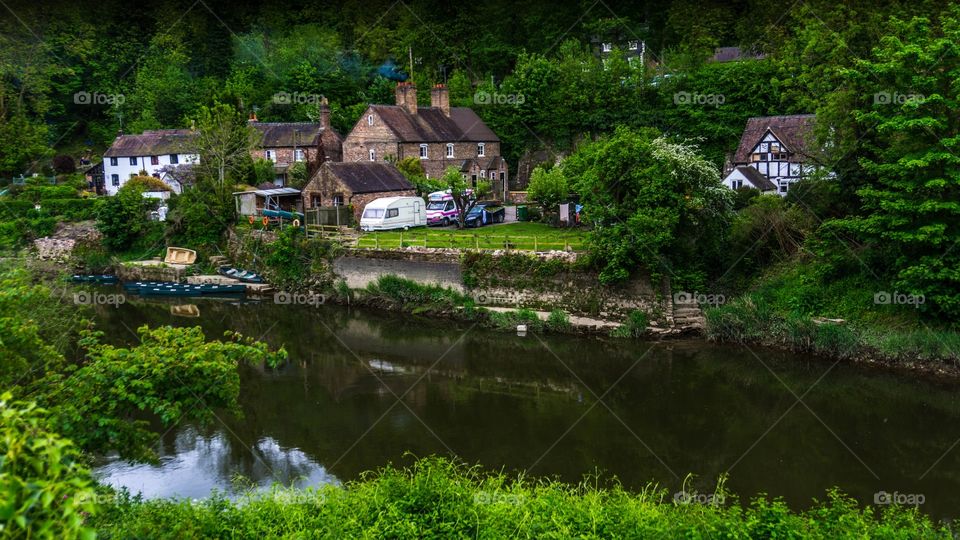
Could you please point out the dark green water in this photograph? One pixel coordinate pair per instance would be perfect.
(531, 404)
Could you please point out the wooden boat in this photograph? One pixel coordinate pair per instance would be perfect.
(186, 310)
(93, 278)
(242, 275)
(178, 255)
(187, 289)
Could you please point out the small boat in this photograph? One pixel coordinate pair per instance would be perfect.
(243, 275)
(186, 310)
(188, 289)
(93, 278)
(178, 255)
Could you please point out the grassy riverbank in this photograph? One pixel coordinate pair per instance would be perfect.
(841, 319)
(437, 499)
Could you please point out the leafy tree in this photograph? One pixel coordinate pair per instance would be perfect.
(548, 187)
(198, 217)
(655, 204)
(263, 171)
(412, 169)
(224, 139)
(297, 175)
(464, 197)
(123, 218)
(183, 175)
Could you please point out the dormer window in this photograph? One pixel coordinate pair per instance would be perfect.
(481, 150)
(449, 150)
(423, 151)
(373, 154)
(369, 119)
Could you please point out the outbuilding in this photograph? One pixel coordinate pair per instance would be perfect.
(354, 184)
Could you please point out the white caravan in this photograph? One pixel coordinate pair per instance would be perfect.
(394, 213)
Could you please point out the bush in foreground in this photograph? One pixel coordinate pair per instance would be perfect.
(438, 499)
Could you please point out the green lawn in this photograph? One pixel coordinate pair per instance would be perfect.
(521, 235)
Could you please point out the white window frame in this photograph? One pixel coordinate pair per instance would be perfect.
(736, 184)
(606, 47)
(481, 150)
(299, 154)
(784, 186)
(483, 173)
(449, 150)
(373, 154)
(269, 155)
(113, 162)
(424, 151)
(633, 45)
(174, 159)
(133, 161)
(115, 180)
(369, 119)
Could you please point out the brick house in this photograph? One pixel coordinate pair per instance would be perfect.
(441, 136)
(356, 184)
(285, 143)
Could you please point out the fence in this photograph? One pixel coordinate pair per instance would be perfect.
(329, 215)
(394, 240)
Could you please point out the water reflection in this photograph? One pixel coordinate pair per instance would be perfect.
(194, 464)
(521, 404)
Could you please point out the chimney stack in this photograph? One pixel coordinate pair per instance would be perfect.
(440, 98)
(407, 96)
(324, 113)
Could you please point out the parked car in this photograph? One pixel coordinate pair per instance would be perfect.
(389, 213)
(441, 209)
(485, 213)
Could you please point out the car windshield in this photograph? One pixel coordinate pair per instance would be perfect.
(373, 213)
(475, 210)
(439, 205)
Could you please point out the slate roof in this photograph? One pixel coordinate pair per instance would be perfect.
(431, 125)
(756, 178)
(153, 143)
(794, 131)
(284, 134)
(368, 177)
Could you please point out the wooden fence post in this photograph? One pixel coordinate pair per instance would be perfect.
(535, 242)
(376, 240)
(476, 241)
(401, 238)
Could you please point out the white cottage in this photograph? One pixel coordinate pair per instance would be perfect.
(777, 147)
(150, 151)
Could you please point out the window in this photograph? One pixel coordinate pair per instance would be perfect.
(113, 162)
(774, 147)
(174, 159)
(736, 184)
(781, 156)
(784, 186)
(450, 150)
(393, 212)
(503, 175)
(756, 157)
(133, 161)
(634, 45)
(269, 155)
(338, 199)
(607, 47)
(481, 150)
(154, 160)
(298, 154)
(373, 213)
(483, 174)
(369, 119)
(373, 154)
(423, 151)
(115, 179)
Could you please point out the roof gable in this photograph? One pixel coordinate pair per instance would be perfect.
(289, 134)
(367, 177)
(153, 143)
(430, 124)
(795, 132)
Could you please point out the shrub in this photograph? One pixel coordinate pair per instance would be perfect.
(558, 321)
(508, 320)
(634, 326)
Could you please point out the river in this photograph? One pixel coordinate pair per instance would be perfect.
(364, 389)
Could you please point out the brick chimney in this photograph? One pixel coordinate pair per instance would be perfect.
(407, 96)
(440, 98)
(324, 113)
